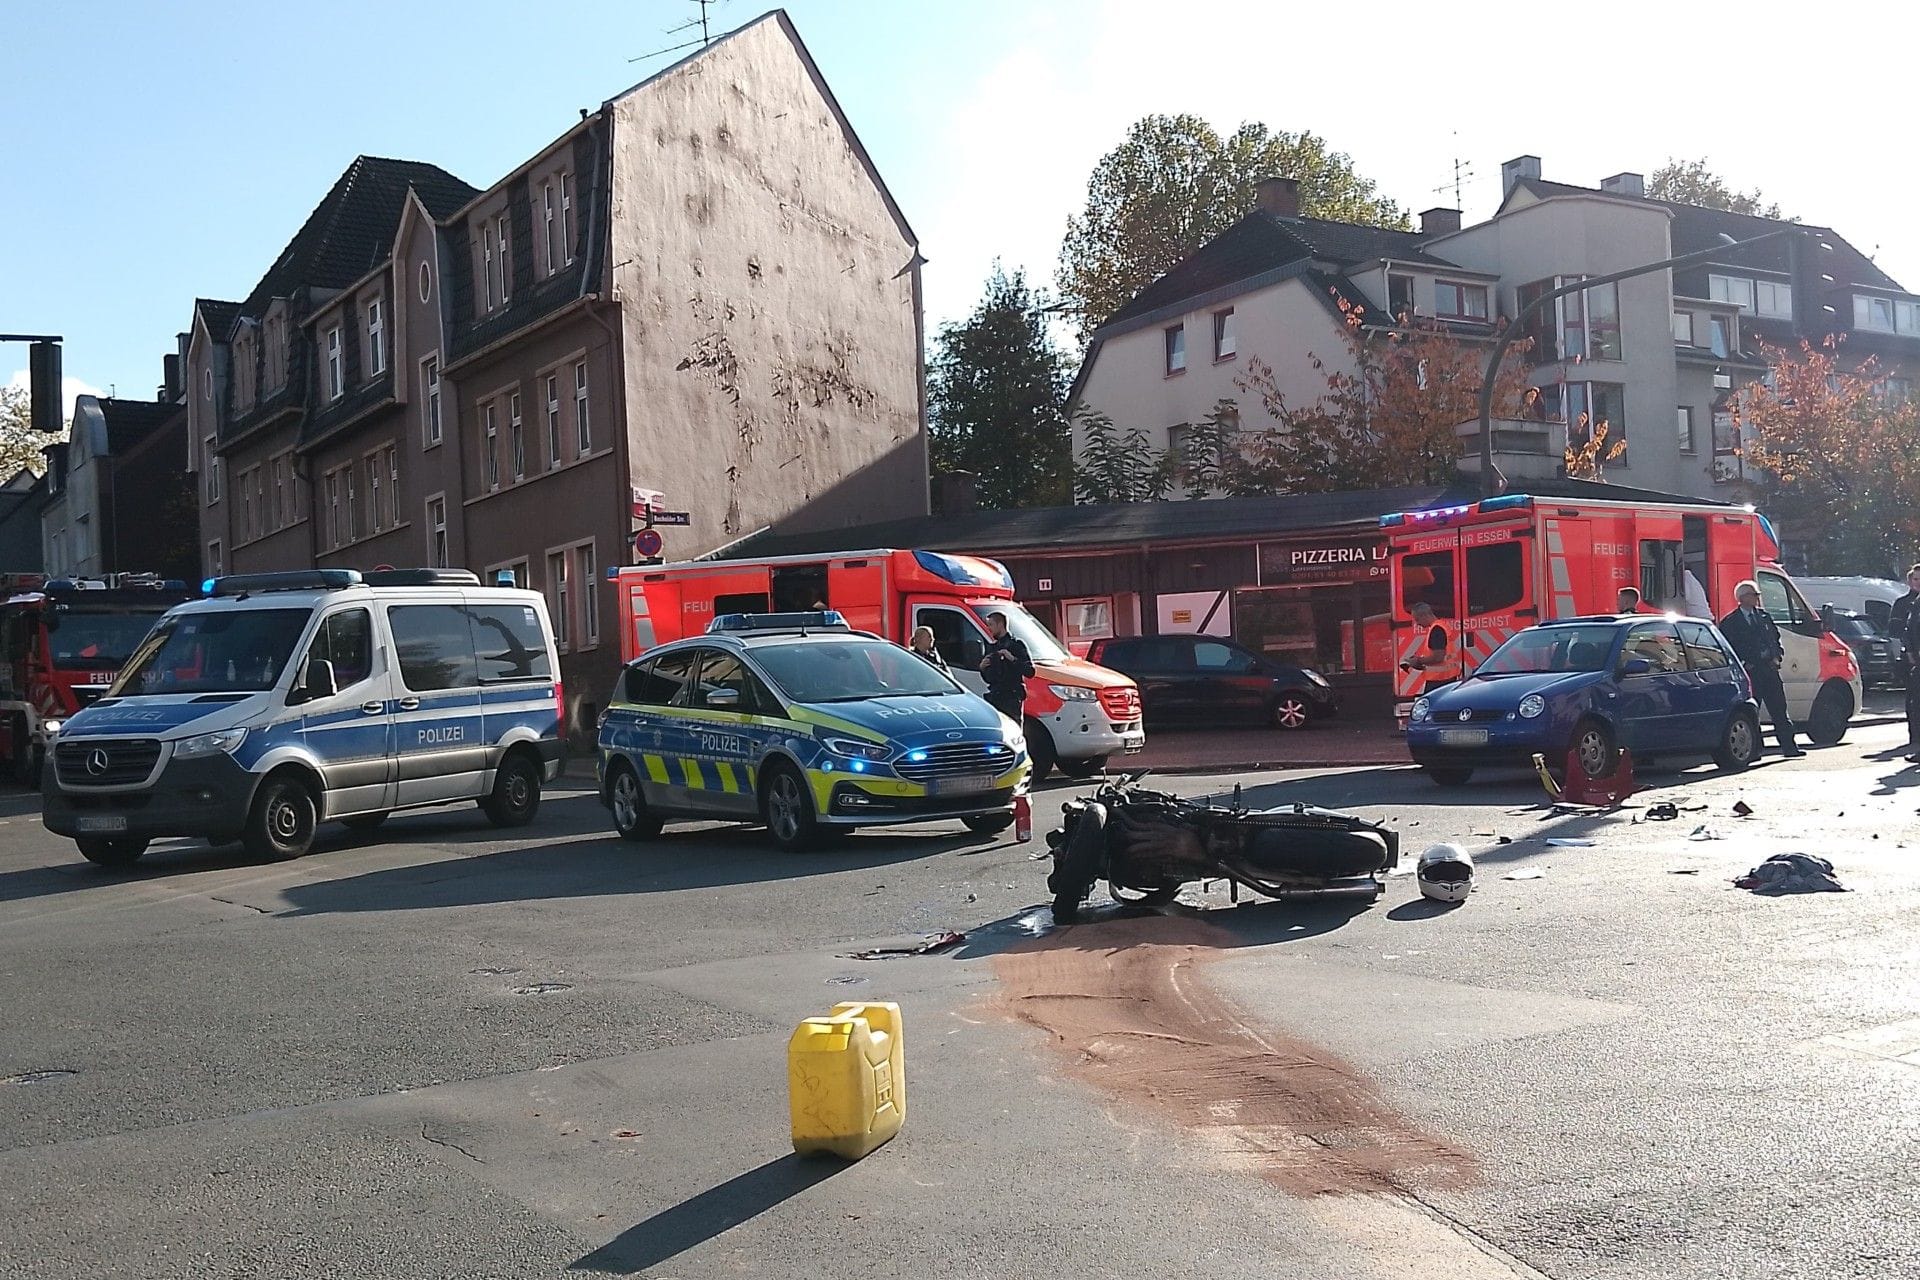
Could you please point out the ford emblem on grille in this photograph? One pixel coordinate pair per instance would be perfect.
(953, 737)
(1466, 715)
(97, 761)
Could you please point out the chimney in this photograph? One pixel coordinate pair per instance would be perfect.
(1278, 196)
(1438, 222)
(1516, 169)
(1624, 184)
(955, 493)
(170, 378)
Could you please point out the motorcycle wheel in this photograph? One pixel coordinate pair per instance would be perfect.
(1078, 864)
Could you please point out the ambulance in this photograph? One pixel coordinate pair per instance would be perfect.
(1077, 714)
(1491, 568)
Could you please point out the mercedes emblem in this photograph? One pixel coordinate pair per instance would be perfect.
(97, 761)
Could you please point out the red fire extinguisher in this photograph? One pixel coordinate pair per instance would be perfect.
(1022, 819)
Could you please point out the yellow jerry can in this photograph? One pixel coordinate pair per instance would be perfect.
(847, 1080)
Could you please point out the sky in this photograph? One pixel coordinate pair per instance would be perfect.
(157, 152)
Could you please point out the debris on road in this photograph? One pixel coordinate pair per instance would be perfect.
(1570, 842)
(1705, 832)
(1741, 809)
(1683, 871)
(1446, 873)
(1792, 873)
(1664, 811)
(1529, 873)
(929, 946)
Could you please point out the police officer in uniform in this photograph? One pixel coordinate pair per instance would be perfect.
(1756, 642)
(1905, 627)
(1006, 667)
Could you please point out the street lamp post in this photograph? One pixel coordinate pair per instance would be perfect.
(1489, 478)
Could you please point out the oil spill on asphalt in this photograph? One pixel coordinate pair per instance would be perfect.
(1130, 1013)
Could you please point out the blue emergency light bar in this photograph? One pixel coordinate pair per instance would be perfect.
(819, 620)
(241, 584)
(959, 574)
(1505, 502)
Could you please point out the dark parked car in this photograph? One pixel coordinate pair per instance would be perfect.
(1662, 687)
(1198, 677)
(1878, 654)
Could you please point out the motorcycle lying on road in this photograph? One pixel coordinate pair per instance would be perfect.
(1146, 844)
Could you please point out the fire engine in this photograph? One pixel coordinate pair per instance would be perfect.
(1077, 714)
(1491, 568)
(61, 646)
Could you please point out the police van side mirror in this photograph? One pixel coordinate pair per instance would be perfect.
(317, 682)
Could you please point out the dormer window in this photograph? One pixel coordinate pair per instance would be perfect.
(1735, 289)
(336, 386)
(1886, 315)
(376, 340)
(1399, 295)
(1455, 301)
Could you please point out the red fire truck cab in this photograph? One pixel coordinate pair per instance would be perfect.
(1077, 714)
(61, 646)
(1493, 567)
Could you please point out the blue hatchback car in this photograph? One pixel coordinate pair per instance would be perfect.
(1659, 686)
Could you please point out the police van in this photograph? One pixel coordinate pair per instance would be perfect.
(800, 722)
(284, 700)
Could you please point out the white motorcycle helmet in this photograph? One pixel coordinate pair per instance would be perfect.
(1445, 872)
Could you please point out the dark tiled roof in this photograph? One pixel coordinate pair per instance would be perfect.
(1044, 528)
(1262, 242)
(131, 421)
(218, 315)
(351, 230)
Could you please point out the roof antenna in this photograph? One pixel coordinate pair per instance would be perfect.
(706, 33)
(1462, 170)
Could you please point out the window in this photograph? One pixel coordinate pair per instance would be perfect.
(1735, 289)
(216, 564)
(1906, 317)
(547, 212)
(1896, 391)
(1176, 344)
(509, 643)
(582, 419)
(724, 671)
(1225, 346)
(516, 437)
(333, 509)
(1090, 619)
(1726, 432)
(1685, 424)
(1456, 301)
(212, 468)
(1211, 655)
(1771, 298)
(353, 506)
(1703, 651)
(490, 461)
(1885, 315)
(1428, 579)
(553, 421)
(373, 492)
(246, 505)
(490, 268)
(955, 635)
(506, 274)
(557, 596)
(659, 682)
(280, 467)
(1542, 329)
(426, 281)
(1720, 335)
(566, 218)
(434, 645)
(587, 576)
(1659, 644)
(393, 486)
(1496, 577)
(376, 340)
(430, 376)
(206, 382)
(1400, 296)
(437, 531)
(345, 639)
(335, 386)
(1599, 402)
(1683, 328)
(1603, 321)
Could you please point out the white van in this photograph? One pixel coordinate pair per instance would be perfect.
(1871, 596)
(411, 687)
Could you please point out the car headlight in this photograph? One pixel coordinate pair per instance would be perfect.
(50, 727)
(207, 744)
(1314, 677)
(1073, 693)
(1531, 706)
(1422, 708)
(853, 749)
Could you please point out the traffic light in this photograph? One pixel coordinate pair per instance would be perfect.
(43, 371)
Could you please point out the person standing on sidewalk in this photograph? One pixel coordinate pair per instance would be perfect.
(1756, 642)
(1905, 627)
(1006, 668)
(921, 645)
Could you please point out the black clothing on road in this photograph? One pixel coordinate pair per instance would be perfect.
(1756, 642)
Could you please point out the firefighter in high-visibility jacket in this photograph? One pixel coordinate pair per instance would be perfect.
(1431, 652)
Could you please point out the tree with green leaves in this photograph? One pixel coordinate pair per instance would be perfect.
(994, 399)
(1119, 466)
(1173, 184)
(20, 444)
(1691, 182)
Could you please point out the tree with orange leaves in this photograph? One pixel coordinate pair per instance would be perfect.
(1838, 446)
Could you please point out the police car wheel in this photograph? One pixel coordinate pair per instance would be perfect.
(111, 853)
(629, 806)
(282, 822)
(1040, 753)
(787, 810)
(516, 793)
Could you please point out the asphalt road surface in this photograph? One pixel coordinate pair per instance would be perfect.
(440, 1053)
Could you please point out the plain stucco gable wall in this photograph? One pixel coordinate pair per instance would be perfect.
(769, 302)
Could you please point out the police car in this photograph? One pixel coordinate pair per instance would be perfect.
(799, 722)
(287, 699)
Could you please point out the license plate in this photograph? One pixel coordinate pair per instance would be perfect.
(101, 822)
(1133, 742)
(1463, 737)
(966, 784)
